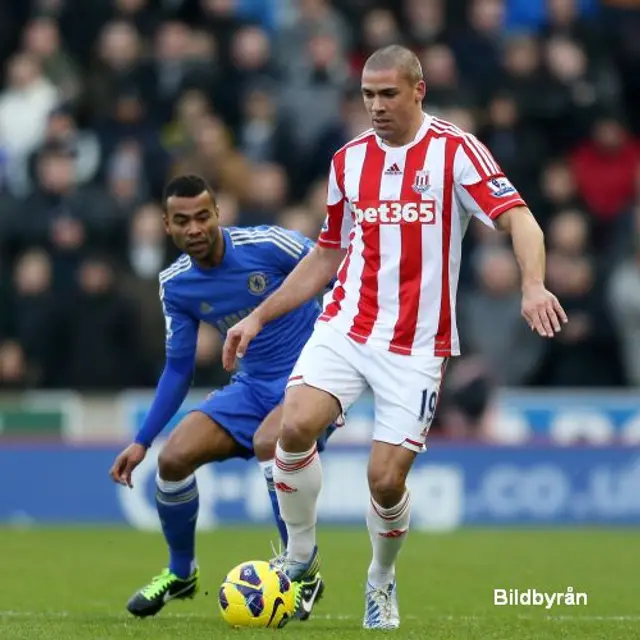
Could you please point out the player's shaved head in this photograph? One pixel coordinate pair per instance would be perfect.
(396, 57)
(187, 186)
(393, 90)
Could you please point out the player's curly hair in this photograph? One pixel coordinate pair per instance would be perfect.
(187, 186)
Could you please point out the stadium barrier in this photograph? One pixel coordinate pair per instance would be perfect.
(564, 418)
(452, 487)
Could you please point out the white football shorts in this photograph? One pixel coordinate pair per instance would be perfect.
(405, 388)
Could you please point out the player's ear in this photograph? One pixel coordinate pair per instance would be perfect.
(420, 91)
(165, 220)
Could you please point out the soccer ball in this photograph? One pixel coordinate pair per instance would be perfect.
(256, 594)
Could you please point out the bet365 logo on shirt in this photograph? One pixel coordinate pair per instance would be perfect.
(395, 212)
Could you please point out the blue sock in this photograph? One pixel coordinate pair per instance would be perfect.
(267, 469)
(177, 504)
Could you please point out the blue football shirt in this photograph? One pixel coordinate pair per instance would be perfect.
(256, 260)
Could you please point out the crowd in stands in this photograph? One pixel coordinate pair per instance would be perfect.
(102, 101)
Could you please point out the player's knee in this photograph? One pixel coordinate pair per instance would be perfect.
(299, 428)
(387, 486)
(173, 465)
(264, 444)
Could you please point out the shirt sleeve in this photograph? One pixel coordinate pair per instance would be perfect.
(181, 329)
(284, 247)
(480, 185)
(336, 230)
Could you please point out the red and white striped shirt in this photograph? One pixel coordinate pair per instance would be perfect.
(401, 213)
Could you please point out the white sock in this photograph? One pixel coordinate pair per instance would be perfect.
(298, 479)
(387, 530)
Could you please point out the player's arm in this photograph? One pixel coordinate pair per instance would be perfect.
(540, 307)
(171, 391)
(181, 335)
(306, 281)
(309, 277)
(485, 192)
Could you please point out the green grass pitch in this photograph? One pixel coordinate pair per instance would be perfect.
(72, 584)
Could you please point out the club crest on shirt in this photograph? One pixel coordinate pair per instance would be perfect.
(257, 283)
(421, 183)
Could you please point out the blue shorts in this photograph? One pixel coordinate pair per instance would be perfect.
(241, 406)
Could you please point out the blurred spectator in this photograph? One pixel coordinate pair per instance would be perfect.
(310, 17)
(41, 39)
(14, 371)
(424, 21)
(515, 144)
(62, 215)
(99, 309)
(577, 89)
(140, 13)
(174, 68)
(314, 93)
(558, 191)
(250, 63)
(490, 322)
(585, 352)
(566, 18)
(477, 47)
(624, 297)
(444, 87)
(570, 234)
(353, 121)
(62, 129)
(25, 103)
(147, 251)
(180, 134)
(35, 317)
(266, 196)
(215, 158)
(523, 77)
(379, 29)
(117, 63)
(605, 169)
(264, 135)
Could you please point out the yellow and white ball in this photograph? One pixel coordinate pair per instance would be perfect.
(256, 594)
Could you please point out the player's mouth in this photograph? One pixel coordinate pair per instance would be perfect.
(197, 245)
(381, 122)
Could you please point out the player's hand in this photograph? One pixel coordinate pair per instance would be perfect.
(542, 311)
(126, 462)
(238, 339)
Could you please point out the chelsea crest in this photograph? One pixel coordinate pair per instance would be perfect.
(257, 283)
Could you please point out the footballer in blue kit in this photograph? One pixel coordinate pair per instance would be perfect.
(223, 274)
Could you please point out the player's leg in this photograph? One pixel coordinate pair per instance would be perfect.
(323, 384)
(264, 447)
(197, 440)
(406, 391)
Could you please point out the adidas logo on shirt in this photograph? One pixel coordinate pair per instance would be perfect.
(393, 170)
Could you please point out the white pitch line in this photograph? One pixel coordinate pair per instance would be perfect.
(347, 617)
